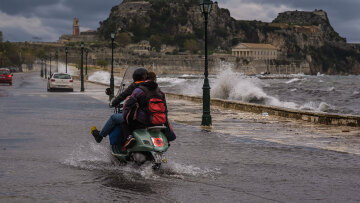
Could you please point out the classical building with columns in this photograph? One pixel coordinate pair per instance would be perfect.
(254, 51)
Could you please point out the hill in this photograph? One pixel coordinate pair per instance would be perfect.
(299, 35)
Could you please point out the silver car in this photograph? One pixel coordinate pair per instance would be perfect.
(61, 81)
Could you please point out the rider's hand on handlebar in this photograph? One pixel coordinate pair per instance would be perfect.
(111, 103)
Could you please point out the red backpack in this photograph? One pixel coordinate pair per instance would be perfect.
(155, 106)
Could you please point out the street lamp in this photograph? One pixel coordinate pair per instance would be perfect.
(42, 68)
(82, 67)
(112, 67)
(66, 54)
(50, 65)
(45, 68)
(86, 57)
(205, 6)
(57, 61)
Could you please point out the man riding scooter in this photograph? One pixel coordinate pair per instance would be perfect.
(139, 77)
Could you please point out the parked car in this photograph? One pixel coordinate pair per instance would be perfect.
(61, 81)
(14, 69)
(5, 76)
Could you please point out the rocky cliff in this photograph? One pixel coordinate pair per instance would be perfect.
(299, 35)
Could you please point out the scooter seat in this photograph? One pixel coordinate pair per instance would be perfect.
(156, 128)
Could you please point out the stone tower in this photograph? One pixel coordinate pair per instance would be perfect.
(76, 27)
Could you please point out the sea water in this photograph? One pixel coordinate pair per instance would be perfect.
(320, 93)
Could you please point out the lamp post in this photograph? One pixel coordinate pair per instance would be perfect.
(82, 67)
(112, 67)
(57, 61)
(86, 57)
(45, 68)
(42, 68)
(205, 6)
(66, 54)
(50, 65)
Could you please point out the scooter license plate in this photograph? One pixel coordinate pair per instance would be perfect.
(158, 157)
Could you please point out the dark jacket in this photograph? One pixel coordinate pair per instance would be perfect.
(121, 97)
(138, 100)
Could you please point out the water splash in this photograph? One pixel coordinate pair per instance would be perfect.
(70, 69)
(292, 80)
(98, 157)
(104, 77)
(319, 107)
(236, 86)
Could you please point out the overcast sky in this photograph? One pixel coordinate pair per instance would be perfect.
(46, 20)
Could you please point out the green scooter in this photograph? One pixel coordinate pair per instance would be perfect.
(151, 143)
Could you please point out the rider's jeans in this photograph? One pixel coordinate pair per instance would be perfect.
(114, 120)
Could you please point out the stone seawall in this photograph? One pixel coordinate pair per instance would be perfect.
(314, 117)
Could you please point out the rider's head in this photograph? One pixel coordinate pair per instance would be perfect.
(151, 76)
(140, 74)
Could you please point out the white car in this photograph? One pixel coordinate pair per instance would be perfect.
(61, 81)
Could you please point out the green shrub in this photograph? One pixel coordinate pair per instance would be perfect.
(102, 63)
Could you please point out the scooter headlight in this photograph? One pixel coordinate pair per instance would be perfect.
(158, 142)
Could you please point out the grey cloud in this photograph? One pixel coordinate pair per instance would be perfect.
(58, 14)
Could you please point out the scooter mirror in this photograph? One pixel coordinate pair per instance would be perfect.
(108, 91)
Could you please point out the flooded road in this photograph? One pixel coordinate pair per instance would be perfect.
(47, 154)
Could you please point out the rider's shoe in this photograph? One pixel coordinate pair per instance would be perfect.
(130, 141)
(96, 134)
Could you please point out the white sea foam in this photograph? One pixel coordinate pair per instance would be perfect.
(355, 92)
(171, 80)
(237, 86)
(103, 77)
(70, 69)
(330, 89)
(315, 106)
(292, 80)
(193, 87)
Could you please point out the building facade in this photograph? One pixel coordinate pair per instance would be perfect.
(254, 51)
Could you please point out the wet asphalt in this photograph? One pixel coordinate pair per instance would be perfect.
(48, 155)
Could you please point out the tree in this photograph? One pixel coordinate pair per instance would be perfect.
(123, 39)
(155, 42)
(102, 63)
(191, 45)
(28, 56)
(1, 36)
(41, 53)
